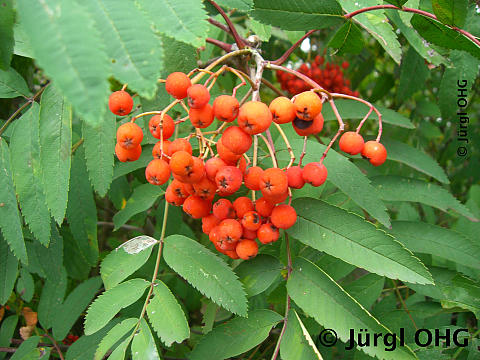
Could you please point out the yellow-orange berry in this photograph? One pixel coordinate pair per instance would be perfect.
(308, 105)
(225, 108)
(375, 153)
(283, 110)
(157, 172)
(254, 117)
(283, 216)
(129, 135)
(177, 85)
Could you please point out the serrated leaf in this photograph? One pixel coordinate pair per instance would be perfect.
(12, 84)
(331, 306)
(7, 19)
(55, 150)
(436, 33)
(185, 60)
(398, 3)
(8, 271)
(81, 209)
(242, 5)
(118, 265)
(206, 272)
(119, 352)
(10, 222)
(28, 349)
(27, 174)
(451, 12)
(298, 15)
(376, 23)
(183, 20)
(347, 40)
(415, 158)
(73, 306)
(297, 343)
(107, 305)
(412, 63)
(166, 316)
(99, 143)
(241, 334)
(435, 240)
(143, 197)
(259, 273)
(349, 237)
(69, 48)
(25, 285)
(22, 44)
(114, 335)
(263, 31)
(366, 290)
(51, 299)
(7, 330)
(345, 175)
(143, 344)
(397, 188)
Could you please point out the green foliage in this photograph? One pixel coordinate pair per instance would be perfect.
(347, 40)
(451, 12)
(8, 271)
(259, 273)
(143, 344)
(12, 84)
(7, 18)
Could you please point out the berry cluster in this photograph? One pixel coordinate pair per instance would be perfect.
(328, 75)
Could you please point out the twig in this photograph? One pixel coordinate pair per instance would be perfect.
(77, 145)
(125, 226)
(403, 303)
(222, 45)
(287, 53)
(341, 127)
(60, 354)
(219, 25)
(236, 36)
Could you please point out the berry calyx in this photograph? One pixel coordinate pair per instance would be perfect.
(129, 135)
(307, 105)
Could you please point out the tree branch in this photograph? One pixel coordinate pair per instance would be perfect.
(222, 45)
(236, 36)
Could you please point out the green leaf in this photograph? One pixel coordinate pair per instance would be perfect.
(107, 305)
(263, 31)
(27, 174)
(143, 344)
(242, 5)
(183, 20)
(435, 240)
(241, 334)
(366, 290)
(134, 51)
(331, 306)
(118, 265)
(10, 222)
(297, 343)
(25, 285)
(85, 346)
(398, 3)
(376, 23)
(22, 44)
(461, 76)
(346, 176)
(415, 158)
(143, 197)
(206, 272)
(8, 271)
(396, 188)
(349, 237)
(114, 335)
(7, 330)
(69, 48)
(53, 293)
(347, 40)
(81, 210)
(438, 34)
(259, 273)
(73, 306)
(119, 352)
(166, 316)
(209, 317)
(412, 63)
(99, 143)
(28, 349)
(185, 60)
(7, 19)
(304, 15)
(12, 84)
(451, 12)
(55, 150)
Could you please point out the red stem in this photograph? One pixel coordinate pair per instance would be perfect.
(222, 45)
(235, 35)
(285, 56)
(219, 25)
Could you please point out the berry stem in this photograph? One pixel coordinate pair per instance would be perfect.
(304, 151)
(255, 158)
(363, 120)
(124, 87)
(287, 53)
(287, 143)
(341, 127)
(238, 39)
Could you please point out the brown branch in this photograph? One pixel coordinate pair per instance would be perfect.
(219, 25)
(60, 354)
(222, 45)
(287, 53)
(236, 36)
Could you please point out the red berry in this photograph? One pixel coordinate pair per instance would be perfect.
(120, 103)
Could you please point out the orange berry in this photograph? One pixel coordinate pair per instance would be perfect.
(252, 177)
(247, 249)
(172, 198)
(295, 177)
(197, 172)
(242, 165)
(249, 234)
(209, 222)
(157, 150)
(197, 207)
(177, 85)
(213, 235)
(236, 140)
(351, 143)
(179, 189)
(223, 209)
(157, 172)
(232, 254)
(276, 198)
(205, 189)
(198, 96)
(283, 110)
(129, 135)
(283, 216)
(120, 103)
(374, 152)
(131, 154)
(179, 145)
(308, 105)
(263, 207)
(225, 108)
(274, 181)
(242, 205)
(167, 128)
(228, 180)
(315, 173)
(202, 117)
(229, 233)
(226, 154)
(181, 163)
(212, 166)
(305, 128)
(268, 233)
(254, 117)
(251, 220)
